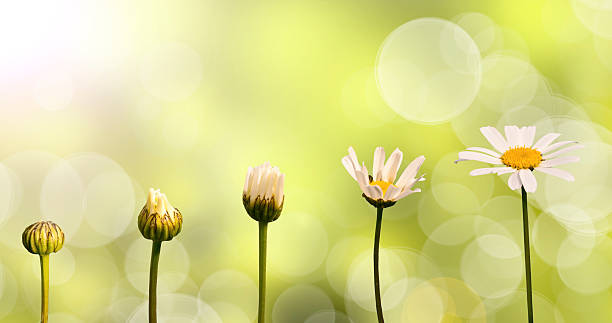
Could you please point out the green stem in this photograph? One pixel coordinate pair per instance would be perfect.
(263, 240)
(44, 288)
(153, 281)
(379, 310)
(527, 256)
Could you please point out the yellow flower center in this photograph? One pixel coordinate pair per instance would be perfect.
(383, 185)
(522, 158)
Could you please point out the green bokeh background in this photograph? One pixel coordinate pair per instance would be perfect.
(289, 82)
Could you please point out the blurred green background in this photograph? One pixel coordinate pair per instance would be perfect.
(101, 100)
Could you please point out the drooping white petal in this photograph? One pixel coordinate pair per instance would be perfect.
(559, 161)
(348, 164)
(557, 172)
(513, 136)
(491, 170)
(392, 165)
(471, 155)
(528, 179)
(495, 138)
(528, 134)
(562, 151)
(372, 191)
(484, 150)
(392, 192)
(406, 193)
(545, 141)
(379, 163)
(410, 171)
(353, 156)
(514, 181)
(362, 178)
(556, 145)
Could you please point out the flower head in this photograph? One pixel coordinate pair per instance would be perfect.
(43, 238)
(263, 195)
(158, 220)
(520, 156)
(380, 189)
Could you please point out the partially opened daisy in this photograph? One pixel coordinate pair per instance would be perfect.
(518, 155)
(381, 190)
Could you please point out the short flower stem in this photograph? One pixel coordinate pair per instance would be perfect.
(153, 281)
(263, 240)
(527, 256)
(379, 310)
(44, 288)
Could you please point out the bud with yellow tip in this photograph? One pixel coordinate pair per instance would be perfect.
(158, 220)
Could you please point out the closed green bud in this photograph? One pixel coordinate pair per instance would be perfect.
(43, 238)
(158, 220)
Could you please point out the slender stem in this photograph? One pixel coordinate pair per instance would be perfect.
(44, 288)
(263, 240)
(379, 310)
(527, 256)
(153, 281)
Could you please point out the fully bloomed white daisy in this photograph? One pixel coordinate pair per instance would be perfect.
(517, 154)
(380, 188)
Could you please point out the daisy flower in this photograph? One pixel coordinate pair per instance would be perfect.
(517, 154)
(380, 188)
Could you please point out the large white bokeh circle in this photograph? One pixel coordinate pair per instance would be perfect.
(428, 70)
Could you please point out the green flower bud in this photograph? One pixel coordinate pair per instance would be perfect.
(263, 195)
(158, 220)
(43, 238)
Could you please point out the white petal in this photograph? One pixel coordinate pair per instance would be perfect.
(248, 180)
(412, 181)
(557, 172)
(372, 191)
(392, 165)
(379, 162)
(528, 134)
(392, 192)
(353, 156)
(545, 141)
(491, 170)
(556, 146)
(513, 136)
(348, 164)
(471, 155)
(280, 186)
(561, 151)
(484, 150)
(528, 179)
(559, 161)
(514, 181)
(495, 138)
(410, 171)
(362, 178)
(406, 193)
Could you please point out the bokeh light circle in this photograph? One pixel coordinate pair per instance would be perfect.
(173, 265)
(177, 308)
(428, 70)
(308, 240)
(231, 286)
(299, 302)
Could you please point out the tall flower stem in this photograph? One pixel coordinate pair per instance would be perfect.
(153, 281)
(527, 256)
(44, 288)
(379, 310)
(263, 241)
